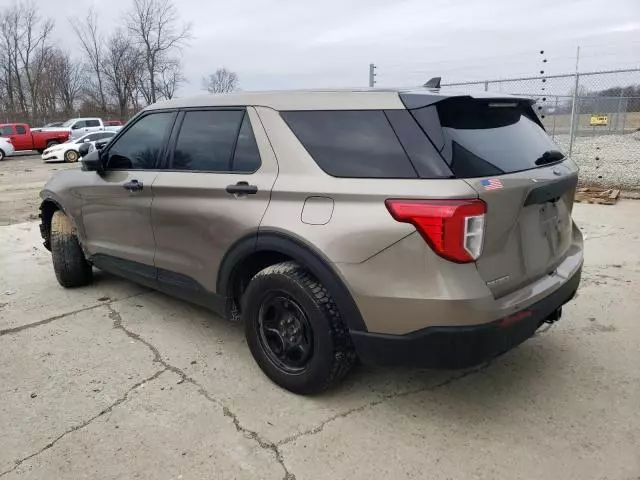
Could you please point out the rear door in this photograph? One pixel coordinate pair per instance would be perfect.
(215, 191)
(500, 148)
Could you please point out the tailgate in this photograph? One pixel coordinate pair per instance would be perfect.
(499, 147)
(528, 229)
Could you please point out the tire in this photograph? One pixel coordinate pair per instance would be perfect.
(2, 155)
(51, 143)
(40, 151)
(331, 354)
(71, 156)
(69, 263)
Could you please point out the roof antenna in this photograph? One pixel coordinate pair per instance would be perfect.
(433, 83)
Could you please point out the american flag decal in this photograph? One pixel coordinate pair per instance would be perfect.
(491, 183)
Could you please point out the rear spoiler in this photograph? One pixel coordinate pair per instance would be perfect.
(423, 98)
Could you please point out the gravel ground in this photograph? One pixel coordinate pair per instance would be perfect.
(611, 161)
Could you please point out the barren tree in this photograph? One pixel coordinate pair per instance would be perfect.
(86, 30)
(170, 78)
(122, 68)
(68, 78)
(155, 26)
(222, 81)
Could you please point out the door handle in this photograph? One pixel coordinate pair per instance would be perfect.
(133, 186)
(242, 188)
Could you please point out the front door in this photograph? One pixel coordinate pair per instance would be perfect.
(217, 190)
(116, 211)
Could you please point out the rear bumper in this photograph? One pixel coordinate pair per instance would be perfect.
(462, 346)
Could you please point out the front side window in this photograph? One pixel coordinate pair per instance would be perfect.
(21, 130)
(79, 124)
(207, 140)
(142, 145)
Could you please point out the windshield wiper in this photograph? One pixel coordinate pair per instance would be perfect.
(550, 156)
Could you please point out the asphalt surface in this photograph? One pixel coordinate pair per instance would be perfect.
(113, 381)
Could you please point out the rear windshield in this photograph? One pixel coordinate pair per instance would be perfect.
(486, 138)
(366, 143)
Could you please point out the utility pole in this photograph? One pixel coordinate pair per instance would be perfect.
(372, 75)
(574, 106)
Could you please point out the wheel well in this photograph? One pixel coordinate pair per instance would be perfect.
(249, 267)
(47, 209)
(250, 255)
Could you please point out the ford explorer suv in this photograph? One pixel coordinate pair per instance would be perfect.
(416, 227)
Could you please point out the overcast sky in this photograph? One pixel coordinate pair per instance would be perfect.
(300, 43)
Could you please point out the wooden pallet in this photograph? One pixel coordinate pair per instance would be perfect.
(601, 196)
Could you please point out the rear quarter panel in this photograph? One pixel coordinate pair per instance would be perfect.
(359, 224)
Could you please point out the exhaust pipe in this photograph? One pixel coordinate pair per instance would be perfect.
(554, 316)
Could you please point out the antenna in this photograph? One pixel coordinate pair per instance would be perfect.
(433, 83)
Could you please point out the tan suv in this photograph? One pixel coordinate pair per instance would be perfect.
(419, 227)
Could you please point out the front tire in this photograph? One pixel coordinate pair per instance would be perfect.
(2, 155)
(69, 263)
(294, 330)
(71, 156)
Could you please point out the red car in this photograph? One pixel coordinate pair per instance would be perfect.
(24, 139)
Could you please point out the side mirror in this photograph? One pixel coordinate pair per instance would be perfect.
(101, 145)
(91, 161)
(83, 149)
(75, 127)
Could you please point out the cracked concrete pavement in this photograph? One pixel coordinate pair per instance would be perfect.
(114, 381)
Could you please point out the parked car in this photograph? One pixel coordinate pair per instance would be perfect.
(89, 147)
(423, 227)
(6, 148)
(113, 123)
(81, 126)
(23, 138)
(69, 151)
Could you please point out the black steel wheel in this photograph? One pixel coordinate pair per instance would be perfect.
(295, 331)
(285, 332)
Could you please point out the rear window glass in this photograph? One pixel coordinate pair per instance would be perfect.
(351, 143)
(486, 138)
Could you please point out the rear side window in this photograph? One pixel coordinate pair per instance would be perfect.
(246, 157)
(351, 143)
(21, 130)
(489, 137)
(207, 140)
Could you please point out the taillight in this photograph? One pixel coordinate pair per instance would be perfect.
(453, 228)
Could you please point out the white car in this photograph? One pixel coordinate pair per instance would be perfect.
(68, 151)
(6, 148)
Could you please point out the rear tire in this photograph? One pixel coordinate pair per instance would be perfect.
(71, 156)
(51, 143)
(69, 263)
(308, 312)
(2, 155)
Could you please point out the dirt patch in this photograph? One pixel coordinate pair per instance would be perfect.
(21, 179)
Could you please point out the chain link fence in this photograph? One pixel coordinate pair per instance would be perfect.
(594, 117)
